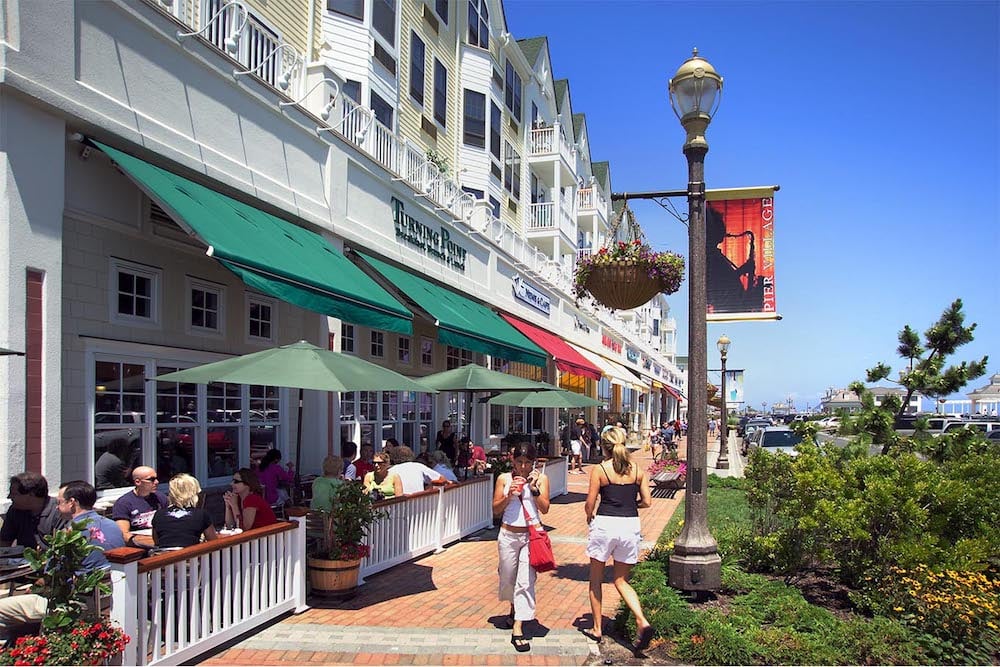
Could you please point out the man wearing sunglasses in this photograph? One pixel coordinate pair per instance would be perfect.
(134, 510)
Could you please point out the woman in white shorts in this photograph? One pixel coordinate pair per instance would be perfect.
(614, 530)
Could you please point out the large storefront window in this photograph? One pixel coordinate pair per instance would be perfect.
(405, 416)
(119, 422)
(202, 430)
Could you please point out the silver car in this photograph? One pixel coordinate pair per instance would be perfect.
(776, 439)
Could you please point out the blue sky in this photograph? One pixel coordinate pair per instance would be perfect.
(878, 120)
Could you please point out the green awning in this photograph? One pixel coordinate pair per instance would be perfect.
(462, 322)
(269, 254)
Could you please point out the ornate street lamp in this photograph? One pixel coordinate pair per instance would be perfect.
(695, 91)
(722, 463)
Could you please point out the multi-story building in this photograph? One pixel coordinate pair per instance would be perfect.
(192, 179)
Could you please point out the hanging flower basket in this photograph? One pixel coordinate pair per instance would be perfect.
(628, 275)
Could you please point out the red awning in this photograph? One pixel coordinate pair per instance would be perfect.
(567, 359)
(672, 392)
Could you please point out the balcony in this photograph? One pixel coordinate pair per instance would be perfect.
(549, 146)
(591, 199)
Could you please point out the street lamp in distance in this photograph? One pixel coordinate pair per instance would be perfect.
(722, 463)
(695, 92)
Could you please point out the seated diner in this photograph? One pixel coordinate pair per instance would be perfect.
(182, 523)
(245, 504)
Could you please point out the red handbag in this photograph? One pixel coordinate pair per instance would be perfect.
(540, 554)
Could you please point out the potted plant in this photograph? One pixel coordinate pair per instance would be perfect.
(71, 632)
(334, 561)
(628, 274)
(668, 472)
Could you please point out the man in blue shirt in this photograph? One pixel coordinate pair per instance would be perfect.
(75, 502)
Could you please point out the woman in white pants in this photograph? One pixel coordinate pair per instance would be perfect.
(524, 489)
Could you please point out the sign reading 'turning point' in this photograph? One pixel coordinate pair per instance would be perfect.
(435, 243)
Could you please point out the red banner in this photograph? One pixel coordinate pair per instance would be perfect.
(739, 249)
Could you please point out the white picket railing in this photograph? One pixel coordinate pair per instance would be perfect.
(176, 605)
(424, 522)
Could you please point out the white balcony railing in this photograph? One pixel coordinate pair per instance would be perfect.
(541, 217)
(550, 141)
(591, 199)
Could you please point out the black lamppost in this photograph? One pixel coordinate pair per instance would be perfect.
(695, 91)
(722, 463)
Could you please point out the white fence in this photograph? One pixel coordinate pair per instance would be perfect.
(177, 605)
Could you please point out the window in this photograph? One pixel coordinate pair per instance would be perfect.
(495, 130)
(346, 337)
(385, 58)
(205, 307)
(455, 357)
(495, 207)
(512, 91)
(383, 110)
(403, 350)
(384, 19)
(261, 318)
(134, 292)
(426, 352)
(417, 54)
(534, 114)
(353, 8)
(474, 127)
(441, 8)
(440, 93)
(512, 171)
(377, 344)
(479, 24)
(352, 89)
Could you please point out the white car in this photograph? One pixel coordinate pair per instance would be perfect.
(776, 439)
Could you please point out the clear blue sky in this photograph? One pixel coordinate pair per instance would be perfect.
(878, 120)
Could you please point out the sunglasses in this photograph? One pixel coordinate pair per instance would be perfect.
(379, 461)
(151, 479)
(237, 480)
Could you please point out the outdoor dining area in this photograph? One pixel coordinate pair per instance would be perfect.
(177, 604)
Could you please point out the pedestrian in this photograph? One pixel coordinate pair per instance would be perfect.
(712, 425)
(524, 490)
(614, 531)
(576, 446)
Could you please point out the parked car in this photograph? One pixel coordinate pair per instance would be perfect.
(993, 435)
(829, 423)
(776, 439)
(749, 429)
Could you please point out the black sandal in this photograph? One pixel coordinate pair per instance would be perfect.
(521, 644)
(589, 634)
(642, 640)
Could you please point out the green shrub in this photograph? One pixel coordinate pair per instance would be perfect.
(712, 640)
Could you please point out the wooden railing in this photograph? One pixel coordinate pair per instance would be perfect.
(177, 605)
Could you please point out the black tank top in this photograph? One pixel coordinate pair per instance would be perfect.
(618, 499)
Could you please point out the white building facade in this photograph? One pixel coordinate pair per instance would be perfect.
(172, 198)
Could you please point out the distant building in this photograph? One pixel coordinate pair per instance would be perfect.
(839, 399)
(881, 392)
(986, 399)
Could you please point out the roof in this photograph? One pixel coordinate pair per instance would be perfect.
(992, 389)
(600, 170)
(531, 47)
(579, 120)
(561, 87)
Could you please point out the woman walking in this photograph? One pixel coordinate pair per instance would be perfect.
(622, 488)
(519, 495)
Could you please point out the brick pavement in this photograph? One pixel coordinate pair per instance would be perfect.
(442, 608)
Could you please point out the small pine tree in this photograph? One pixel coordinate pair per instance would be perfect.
(925, 374)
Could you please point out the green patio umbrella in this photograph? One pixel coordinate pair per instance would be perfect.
(559, 398)
(473, 377)
(303, 366)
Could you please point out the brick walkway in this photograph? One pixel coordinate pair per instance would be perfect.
(441, 609)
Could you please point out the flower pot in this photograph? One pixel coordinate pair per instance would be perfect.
(334, 579)
(624, 284)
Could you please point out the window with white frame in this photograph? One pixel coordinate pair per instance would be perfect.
(440, 93)
(384, 19)
(346, 337)
(479, 23)
(441, 8)
(456, 356)
(403, 349)
(134, 293)
(377, 344)
(261, 318)
(512, 171)
(495, 130)
(205, 306)
(353, 8)
(418, 56)
(512, 91)
(426, 352)
(474, 119)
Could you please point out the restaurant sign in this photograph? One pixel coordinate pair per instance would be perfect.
(580, 325)
(610, 343)
(529, 294)
(434, 243)
(632, 355)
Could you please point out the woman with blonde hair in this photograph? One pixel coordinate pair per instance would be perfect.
(324, 489)
(182, 523)
(622, 488)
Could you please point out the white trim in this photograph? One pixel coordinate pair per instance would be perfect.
(409, 349)
(117, 266)
(425, 339)
(380, 335)
(190, 284)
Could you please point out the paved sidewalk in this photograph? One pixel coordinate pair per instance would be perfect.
(442, 609)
